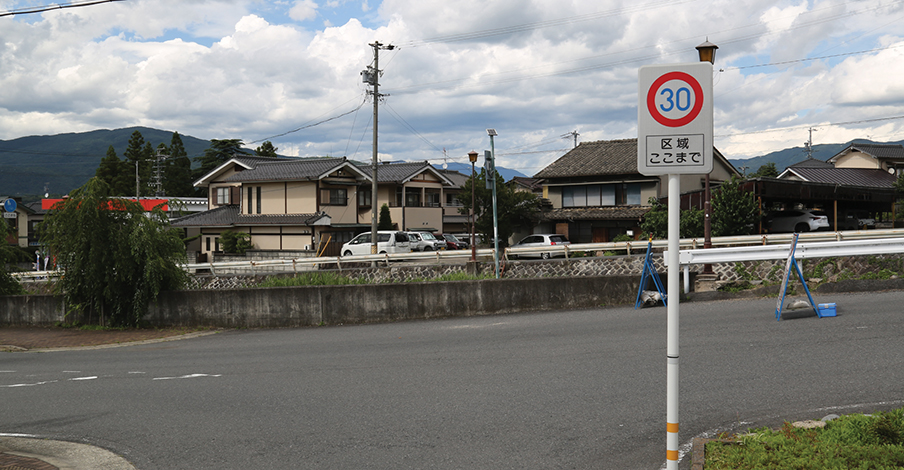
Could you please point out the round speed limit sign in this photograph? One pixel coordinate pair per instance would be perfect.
(675, 119)
(675, 99)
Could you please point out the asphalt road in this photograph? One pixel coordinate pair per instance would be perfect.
(576, 389)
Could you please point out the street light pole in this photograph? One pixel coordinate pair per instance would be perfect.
(472, 155)
(707, 53)
(492, 133)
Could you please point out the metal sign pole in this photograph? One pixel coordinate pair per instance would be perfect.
(672, 328)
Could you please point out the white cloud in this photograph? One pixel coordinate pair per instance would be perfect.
(252, 70)
(303, 10)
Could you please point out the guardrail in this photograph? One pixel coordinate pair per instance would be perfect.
(780, 242)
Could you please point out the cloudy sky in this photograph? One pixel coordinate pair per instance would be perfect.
(288, 71)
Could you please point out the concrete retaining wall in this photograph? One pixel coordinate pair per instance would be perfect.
(333, 305)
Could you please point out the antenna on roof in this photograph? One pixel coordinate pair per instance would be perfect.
(445, 157)
(574, 134)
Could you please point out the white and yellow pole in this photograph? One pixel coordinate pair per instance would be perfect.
(674, 213)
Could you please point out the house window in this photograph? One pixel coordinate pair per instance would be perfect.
(413, 199)
(364, 197)
(398, 197)
(223, 196)
(601, 195)
(249, 199)
(258, 199)
(432, 199)
(629, 194)
(334, 197)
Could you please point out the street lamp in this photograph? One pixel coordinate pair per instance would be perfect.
(707, 52)
(491, 175)
(472, 155)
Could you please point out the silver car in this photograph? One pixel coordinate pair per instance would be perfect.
(542, 239)
(424, 241)
(797, 221)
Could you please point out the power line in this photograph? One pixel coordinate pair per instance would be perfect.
(59, 6)
(311, 125)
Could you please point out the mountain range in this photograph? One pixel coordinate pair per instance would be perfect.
(56, 164)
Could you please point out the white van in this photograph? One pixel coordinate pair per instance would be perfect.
(388, 241)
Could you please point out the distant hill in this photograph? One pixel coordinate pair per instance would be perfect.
(465, 169)
(64, 162)
(787, 157)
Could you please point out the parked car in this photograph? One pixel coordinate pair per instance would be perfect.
(796, 221)
(541, 239)
(453, 243)
(425, 241)
(438, 243)
(387, 242)
(855, 220)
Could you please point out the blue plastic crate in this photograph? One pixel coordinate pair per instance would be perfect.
(827, 310)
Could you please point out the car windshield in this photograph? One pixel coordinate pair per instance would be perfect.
(558, 239)
(451, 238)
(427, 236)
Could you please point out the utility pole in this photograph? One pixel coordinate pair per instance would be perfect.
(371, 76)
(158, 169)
(809, 144)
(573, 134)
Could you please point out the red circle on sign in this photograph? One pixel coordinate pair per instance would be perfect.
(698, 99)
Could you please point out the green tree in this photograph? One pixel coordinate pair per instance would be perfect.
(766, 171)
(385, 220)
(178, 181)
(734, 211)
(115, 173)
(116, 259)
(656, 222)
(139, 153)
(8, 284)
(219, 152)
(266, 150)
(515, 209)
(235, 242)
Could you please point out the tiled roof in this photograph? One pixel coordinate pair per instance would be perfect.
(229, 216)
(533, 184)
(601, 157)
(278, 219)
(811, 163)
(605, 158)
(223, 216)
(880, 150)
(285, 170)
(458, 179)
(847, 176)
(595, 213)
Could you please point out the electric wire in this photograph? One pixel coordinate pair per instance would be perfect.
(58, 6)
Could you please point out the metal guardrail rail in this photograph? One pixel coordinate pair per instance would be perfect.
(781, 242)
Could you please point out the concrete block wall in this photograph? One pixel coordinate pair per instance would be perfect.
(333, 305)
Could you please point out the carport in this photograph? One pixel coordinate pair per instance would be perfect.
(833, 198)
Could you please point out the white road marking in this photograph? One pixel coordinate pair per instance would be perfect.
(93, 377)
(28, 385)
(12, 434)
(136, 372)
(189, 376)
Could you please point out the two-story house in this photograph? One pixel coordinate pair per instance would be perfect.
(597, 193)
(311, 204)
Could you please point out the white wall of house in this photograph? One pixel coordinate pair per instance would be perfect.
(857, 160)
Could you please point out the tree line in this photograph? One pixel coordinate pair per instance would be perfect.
(143, 166)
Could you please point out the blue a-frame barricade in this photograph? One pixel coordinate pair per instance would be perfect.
(789, 266)
(649, 271)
